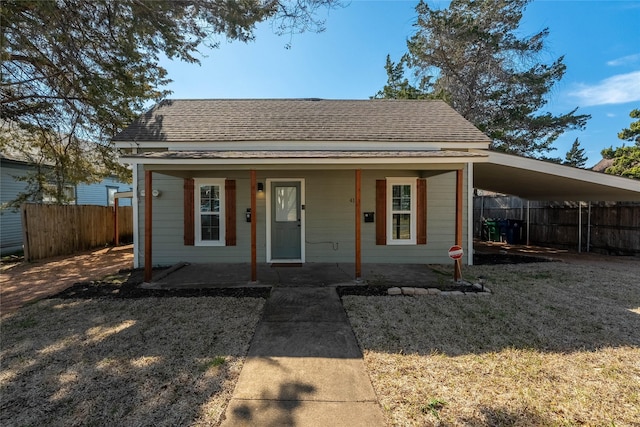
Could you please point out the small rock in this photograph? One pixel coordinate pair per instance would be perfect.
(434, 291)
(394, 291)
(422, 291)
(408, 291)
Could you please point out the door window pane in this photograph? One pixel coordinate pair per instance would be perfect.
(286, 204)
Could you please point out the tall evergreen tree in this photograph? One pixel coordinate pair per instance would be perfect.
(576, 156)
(626, 160)
(489, 74)
(398, 86)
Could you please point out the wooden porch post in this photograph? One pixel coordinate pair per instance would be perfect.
(116, 231)
(358, 225)
(457, 270)
(148, 199)
(254, 219)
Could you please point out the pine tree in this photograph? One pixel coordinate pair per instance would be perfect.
(576, 156)
(491, 75)
(626, 160)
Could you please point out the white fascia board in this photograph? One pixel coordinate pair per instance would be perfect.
(300, 145)
(561, 170)
(303, 161)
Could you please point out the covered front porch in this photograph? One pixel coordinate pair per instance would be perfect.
(338, 196)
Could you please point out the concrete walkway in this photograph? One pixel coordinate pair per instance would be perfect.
(304, 367)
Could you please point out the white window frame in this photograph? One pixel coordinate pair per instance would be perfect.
(391, 182)
(49, 190)
(111, 199)
(199, 182)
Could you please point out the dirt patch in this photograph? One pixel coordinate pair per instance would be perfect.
(25, 282)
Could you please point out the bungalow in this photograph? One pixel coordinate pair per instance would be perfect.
(310, 180)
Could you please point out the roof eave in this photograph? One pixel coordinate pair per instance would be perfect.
(297, 144)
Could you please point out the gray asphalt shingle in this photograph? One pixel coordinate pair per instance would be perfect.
(218, 120)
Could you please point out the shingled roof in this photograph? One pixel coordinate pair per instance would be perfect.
(217, 120)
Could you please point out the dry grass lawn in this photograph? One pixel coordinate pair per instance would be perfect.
(557, 344)
(160, 362)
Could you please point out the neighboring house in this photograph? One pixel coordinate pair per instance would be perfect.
(296, 181)
(12, 166)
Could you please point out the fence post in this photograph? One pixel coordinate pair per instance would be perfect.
(579, 227)
(528, 222)
(589, 228)
(25, 231)
(116, 231)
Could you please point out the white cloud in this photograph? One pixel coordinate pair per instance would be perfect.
(610, 115)
(625, 60)
(618, 89)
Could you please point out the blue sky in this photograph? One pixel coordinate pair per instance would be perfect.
(599, 39)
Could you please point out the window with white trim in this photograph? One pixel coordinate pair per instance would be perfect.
(111, 195)
(401, 211)
(68, 193)
(209, 209)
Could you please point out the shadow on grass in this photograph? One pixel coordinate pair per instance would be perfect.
(498, 416)
(137, 362)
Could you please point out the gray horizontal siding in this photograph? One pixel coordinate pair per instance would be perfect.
(440, 222)
(329, 219)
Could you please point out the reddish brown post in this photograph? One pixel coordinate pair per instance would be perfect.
(116, 229)
(148, 199)
(358, 224)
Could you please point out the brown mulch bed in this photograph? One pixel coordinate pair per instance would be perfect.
(126, 284)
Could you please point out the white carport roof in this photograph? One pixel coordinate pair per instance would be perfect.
(532, 179)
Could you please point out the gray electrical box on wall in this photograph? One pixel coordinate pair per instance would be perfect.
(368, 217)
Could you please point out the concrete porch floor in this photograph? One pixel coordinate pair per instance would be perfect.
(308, 274)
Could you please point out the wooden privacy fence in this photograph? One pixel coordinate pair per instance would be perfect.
(607, 227)
(52, 230)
